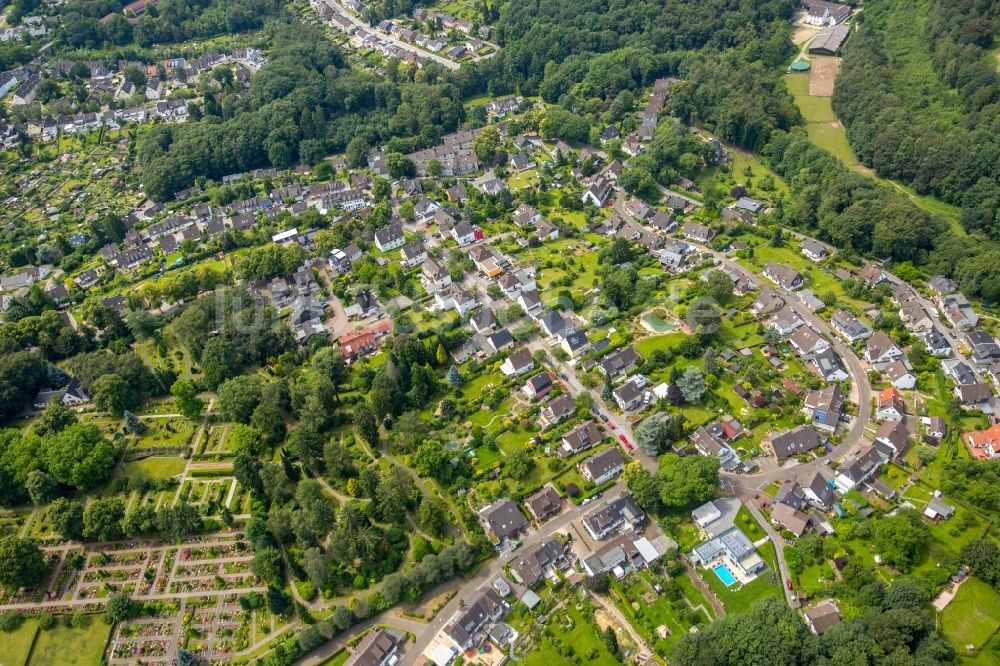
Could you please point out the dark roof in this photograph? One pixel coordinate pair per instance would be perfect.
(603, 462)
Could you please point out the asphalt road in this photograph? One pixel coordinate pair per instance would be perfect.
(406, 46)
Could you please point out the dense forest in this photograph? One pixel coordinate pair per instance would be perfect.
(305, 104)
(165, 22)
(921, 101)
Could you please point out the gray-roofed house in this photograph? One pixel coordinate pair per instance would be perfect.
(602, 466)
(735, 546)
(824, 407)
(628, 395)
(792, 442)
(533, 563)
(620, 513)
(618, 361)
(546, 502)
(823, 616)
(584, 436)
(502, 520)
(470, 624)
(379, 647)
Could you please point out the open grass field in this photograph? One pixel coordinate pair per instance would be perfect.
(972, 618)
(15, 646)
(65, 646)
(157, 467)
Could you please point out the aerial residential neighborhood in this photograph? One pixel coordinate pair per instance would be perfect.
(473, 333)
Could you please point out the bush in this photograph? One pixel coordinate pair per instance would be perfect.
(10, 620)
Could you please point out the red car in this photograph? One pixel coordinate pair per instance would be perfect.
(611, 424)
(788, 583)
(625, 441)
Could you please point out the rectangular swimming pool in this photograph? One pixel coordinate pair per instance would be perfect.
(724, 574)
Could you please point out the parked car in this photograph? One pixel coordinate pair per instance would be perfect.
(628, 444)
(610, 424)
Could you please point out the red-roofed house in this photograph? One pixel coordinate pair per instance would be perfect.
(985, 443)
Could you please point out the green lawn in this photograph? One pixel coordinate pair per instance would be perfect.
(157, 467)
(14, 647)
(738, 599)
(972, 617)
(832, 137)
(63, 646)
(578, 640)
(474, 388)
(647, 346)
(746, 522)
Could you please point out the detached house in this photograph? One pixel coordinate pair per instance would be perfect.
(538, 386)
(536, 561)
(518, 363)
(698, 232)
(814, 250)
(628, 395)
(619, 514)
(849, 326)
(783, 276)
(502, 520)
(792, 442)
(413, 254)
(546, 502)
(890, 405)
(829, 365)
(581, 438)
(880, 348)
(603, 466)
(824, 408)
(389, 238)
(621, 360)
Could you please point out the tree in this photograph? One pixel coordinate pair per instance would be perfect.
(178, 521)
(267, 565)
(719, 287)
(900, 538)
(22, 563)
(687, 482)
(238, 397)
(133, 425)
(710, 362)
(454, 377)
(610, 640)
(246, 439)
(188, 402)
(983, 558)
(66, 518)
(518, 464)
(79, 456)
(246, 469)
(432, 516)
(769, 633)
(650, 434)
(692, 385)
(925, 453)
(102, 519)
(41, 487)
(366, 424)
(356, 153)
(119, 608)
(112, 394)
(55, 418)
(441, 355)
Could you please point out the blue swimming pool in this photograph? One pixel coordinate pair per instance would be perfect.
(724, 574)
